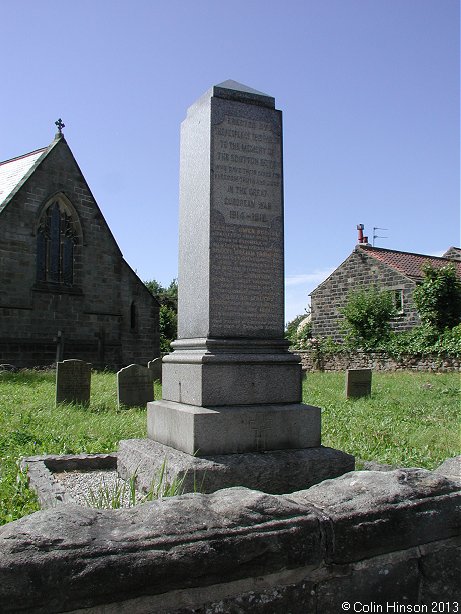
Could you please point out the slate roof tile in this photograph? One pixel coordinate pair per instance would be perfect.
(13, 171)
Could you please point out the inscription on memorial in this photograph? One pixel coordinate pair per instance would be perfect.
(261, 433)
(247, 178)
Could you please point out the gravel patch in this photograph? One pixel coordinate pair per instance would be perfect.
(87, 486)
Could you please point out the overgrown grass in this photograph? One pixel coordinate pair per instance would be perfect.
(124, 493)
(411, 419)
(30, 424)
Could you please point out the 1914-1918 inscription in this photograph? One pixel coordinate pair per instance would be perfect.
(247, 171)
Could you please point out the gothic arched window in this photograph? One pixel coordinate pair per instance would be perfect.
(56, 239)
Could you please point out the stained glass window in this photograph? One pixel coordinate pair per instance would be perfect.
(56, 239)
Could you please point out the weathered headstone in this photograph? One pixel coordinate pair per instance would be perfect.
(73, 382)
(358, 383)
(231, 386)
(59, 340)
(156, 368)
(134, 386)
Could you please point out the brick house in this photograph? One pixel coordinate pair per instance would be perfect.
(65, 289)
(367, 266)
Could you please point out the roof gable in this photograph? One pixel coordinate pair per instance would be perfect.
(407, 263)
(14, 172)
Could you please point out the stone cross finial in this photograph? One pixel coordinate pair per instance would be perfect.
(60, 124)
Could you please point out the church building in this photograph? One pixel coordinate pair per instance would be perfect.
(65, 289)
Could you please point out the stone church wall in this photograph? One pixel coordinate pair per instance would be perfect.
(358, 271)
(93, 313)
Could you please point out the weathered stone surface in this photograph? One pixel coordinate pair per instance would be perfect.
(238, 550)
(451, 468)
(72, 557)
(156, 368)
(441, 571)
(358, 383)
(73, 382)
(380, 580)
(204, 431)
(279, 471)
(243, 372)
(374, 512)
(135, 386)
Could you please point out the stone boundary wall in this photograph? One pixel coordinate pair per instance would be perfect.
(378, 361)
(367, 538)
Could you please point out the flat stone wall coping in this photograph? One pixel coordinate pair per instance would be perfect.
(72, 557)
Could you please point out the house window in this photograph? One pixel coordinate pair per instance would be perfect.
(56, 240)
(398, 301)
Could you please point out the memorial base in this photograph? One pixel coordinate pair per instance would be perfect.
(233, 429)
(274, 472)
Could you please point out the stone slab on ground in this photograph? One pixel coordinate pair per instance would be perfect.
(205, 431)
(277, 472)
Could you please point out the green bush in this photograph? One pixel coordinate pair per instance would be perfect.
(299, 338)
(168, 316)
(438, 298)
(423, 340)
(367, 318)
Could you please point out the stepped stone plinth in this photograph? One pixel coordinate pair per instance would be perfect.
(231, 386)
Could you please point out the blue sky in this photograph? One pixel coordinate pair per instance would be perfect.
(369, 90)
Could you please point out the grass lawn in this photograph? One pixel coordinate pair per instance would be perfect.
(411, 419)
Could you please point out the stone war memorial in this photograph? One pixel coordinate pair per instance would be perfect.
(231, 412)
(269, 533)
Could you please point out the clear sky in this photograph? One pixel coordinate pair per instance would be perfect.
(369, 90)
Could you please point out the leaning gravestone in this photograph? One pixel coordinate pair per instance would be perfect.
(358, 383)
(231, 389)
(135, 386)
(156, 368)
(73, 382)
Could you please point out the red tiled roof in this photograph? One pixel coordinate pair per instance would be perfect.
(407, 263)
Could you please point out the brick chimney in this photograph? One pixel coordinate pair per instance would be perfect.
(361, 240)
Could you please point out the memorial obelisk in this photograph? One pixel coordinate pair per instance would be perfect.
(231, 388)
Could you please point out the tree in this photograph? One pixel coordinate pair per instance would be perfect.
(368, 314)
(168, 316)
(297, 336)
(438, 297)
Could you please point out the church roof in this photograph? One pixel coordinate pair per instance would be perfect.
(14, 171)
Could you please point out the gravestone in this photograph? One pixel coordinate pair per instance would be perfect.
(231, 388)
(134, 386)
(156, 369)
(358, 383)
(73, 382)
